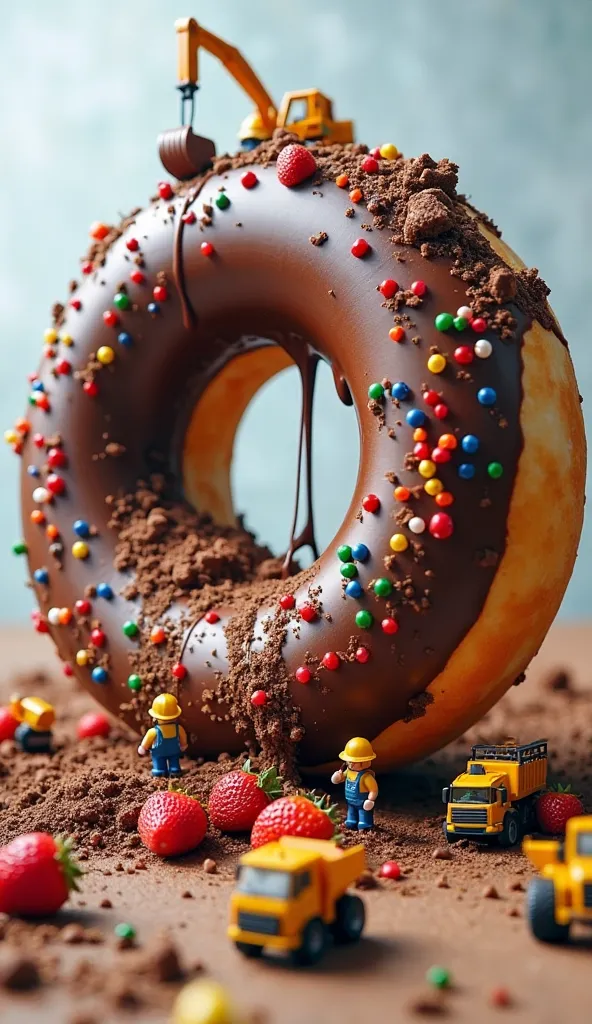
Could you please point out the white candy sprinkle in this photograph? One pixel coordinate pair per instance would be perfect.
(53, 616)
(466, 312)
(483, 348)
(416, 525)
(41, 495)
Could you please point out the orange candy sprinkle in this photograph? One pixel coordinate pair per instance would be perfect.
(396, 334)
(444, 498)
(37, 517)
(65, 616)
(52, 531)
(419, 434)
(402, 493)
(447, 441)
(356, 195)
(157, 635)
(23, 427)
(342, 180)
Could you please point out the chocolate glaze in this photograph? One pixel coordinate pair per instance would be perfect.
(267, 281)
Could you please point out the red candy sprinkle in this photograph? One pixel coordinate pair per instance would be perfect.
(376, 153)
(308, 612)
(56, 458)
(55, 484)
(464, 355)
(421, 450)
(132, 244)
(390, 626)
(179, 671)
(63, 367)
(478, 325)
(249, 179)
(500, 997)
(87, 267)
(110, 318)
(76, 304)
(165, 190)
(137, 277)
(42, 402)
(98, 230)
(67, 669)
(431, 397)
(93, 724)
(189, 217)
(441, 526)
(440, 455)
(39, 623)
(370, 164)
(287, 601)
(83, 607)
(8, 725)
(419, 288)
(388, 288)
(90, 388)
(360, 248)
(212, 617)
(207, 249)
(294, 165)
(390, 869)
(160, 293)
(97, 638)
(362, 655)
(38, 440)
(259, 698)
(303, 675)
(371, 503)
(331, 660)
(441, 411)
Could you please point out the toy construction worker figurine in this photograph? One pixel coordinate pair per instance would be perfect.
(36, 717)
(166, 740)
(361, 788)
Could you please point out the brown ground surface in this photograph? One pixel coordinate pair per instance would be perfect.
(412, 924)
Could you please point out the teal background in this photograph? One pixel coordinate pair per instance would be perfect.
(503, 87)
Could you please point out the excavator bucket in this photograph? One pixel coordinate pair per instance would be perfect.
(183, 153)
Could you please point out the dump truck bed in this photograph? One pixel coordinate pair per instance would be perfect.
(525, 766)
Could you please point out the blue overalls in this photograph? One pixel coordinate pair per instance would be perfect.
(357, 817)
(165, 753)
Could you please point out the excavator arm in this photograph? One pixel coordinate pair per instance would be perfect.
(190, 38)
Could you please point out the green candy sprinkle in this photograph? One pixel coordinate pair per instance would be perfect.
(495, 470)
(364, 619)
(349, 570)
(440, 977)
(376, 391)
(444, 321)
(344, 553)
(19, 548)
(460, 323)
(121, 300)
(125, 931)
(130, 629)
(222, 201)
(134, 682)
(382, 587)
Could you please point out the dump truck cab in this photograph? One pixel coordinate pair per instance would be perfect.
(494, 798)
(563, 892)
(291, 894)
(309, 114)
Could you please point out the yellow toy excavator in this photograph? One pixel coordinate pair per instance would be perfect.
(308, 113)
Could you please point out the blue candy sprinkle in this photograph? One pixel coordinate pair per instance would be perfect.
(41, 576)
(415, 418)
(360, 552)
(124, 339)
(486, 396)
(81, 528)
(470, 444)
(353, 589)
(99, 675)
(38, 385)
(466, 471)
(153, 308)
(400, 390)
(32, 471)
(104, 590)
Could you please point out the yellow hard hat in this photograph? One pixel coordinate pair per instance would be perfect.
(357, 749)
(252, 127)
(203, 1002)
(165, 707)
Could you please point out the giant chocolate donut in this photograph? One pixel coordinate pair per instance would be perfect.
(279, 281)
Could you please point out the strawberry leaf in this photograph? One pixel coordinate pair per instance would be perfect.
(268, 780)
(70, 869)
(323, 803)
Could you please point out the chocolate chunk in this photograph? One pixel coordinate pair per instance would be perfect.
(429, 214)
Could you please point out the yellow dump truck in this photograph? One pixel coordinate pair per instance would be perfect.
(494, 798)
(291, 896)
(563, 893)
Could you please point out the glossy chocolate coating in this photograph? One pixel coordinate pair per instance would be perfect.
(267, 281)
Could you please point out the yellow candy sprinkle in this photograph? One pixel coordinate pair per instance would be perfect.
(80, 549)
(436, 363)
(433, 487)
(50, 336)
(66, 339)
(11, 436)
(105, 355)
(399, 542)
(82, 658)
(388, 151)
(427, 468)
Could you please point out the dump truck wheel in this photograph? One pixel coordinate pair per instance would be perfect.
(451, 837)
(350, 919)
(540, 902)
(511, 831)
(314, 943)
(248, 949)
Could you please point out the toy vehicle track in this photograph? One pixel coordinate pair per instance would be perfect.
(500, 752)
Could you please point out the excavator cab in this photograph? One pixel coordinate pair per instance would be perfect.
(309, 114)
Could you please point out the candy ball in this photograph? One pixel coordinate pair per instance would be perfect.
(354, 589)
(399, 542)
(417, 525)
(360, 552)
(483, 348)
(470, 444)
(93, 723)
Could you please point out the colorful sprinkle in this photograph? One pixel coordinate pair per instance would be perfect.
(356, 195)
(470, 444)
(55, 484)
(157, 635)
(342, 181)
(415, 418)
(132, 244)
(308, 612)
(348, 570)
(447, 441)
(105, 591)
(441, 526)
(421, 450)
(465, 312)
(389, 626)
(134, 682)
(388, 288)
(344, 553)
(98, 230)
(99, 674)
(398, 542)
(81, 528)
(402, 493)
(464, 355)
(364, 619)
(441, 455)
(37, 517)
(436, 363)
(249, 179)
(397, 334)
(41, 496)
(427, 468)
(53, 616)
(362, 655)
(444, 499)
(83, 606)
(125, 339)
(390, 869)
(121, 300)
(419, 434)
(303, 674)
(466, 471)
(416, 524)
(495, 470)
(431, 397)
(389, 151)
(360, 248)
(80, 549)
(486, 396)
(222, 201)
(460, 324)
(376, 391)
(419, 288)
(137, 276)
(41, 576)
(90, 388)
(178, 671)
(212, 617)
(98, 638)
(82, 658)
(19, 548)
(433, 487)
(443, 322)
(479, 325)
(382, 587)
(354, 589)
(206, 249)
(160, 293)
(153, 307)
(190, 218)
(369, 165)
(439, 977)
(287, 602)
(371, 503)
(110, 318)
(360, 552)
(400, 390)
(483, 348)
(165, 190)
(331, 661)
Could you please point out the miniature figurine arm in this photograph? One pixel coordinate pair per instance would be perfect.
(337, 777)
(182, 738)
(372, 791)
(147, 741)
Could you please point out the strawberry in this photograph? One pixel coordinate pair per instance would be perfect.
(36, 875)
(93, 723)
(239, 797)
(8, 724)
(295, 164)
(172, 822)
(303, 815)
(555, 807)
